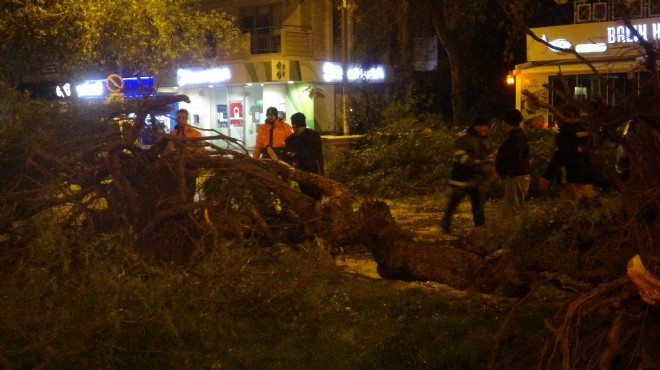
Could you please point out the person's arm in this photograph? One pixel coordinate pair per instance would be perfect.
(312, 152)
(259, 144)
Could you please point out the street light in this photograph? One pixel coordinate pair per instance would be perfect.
(511, 77)
(344, 78)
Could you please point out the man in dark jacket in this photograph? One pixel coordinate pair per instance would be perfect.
(472, 156)
(571, 162)
(304, 151)
(512, 161)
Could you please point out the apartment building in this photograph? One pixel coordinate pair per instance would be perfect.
(599, 35)
(292, 60)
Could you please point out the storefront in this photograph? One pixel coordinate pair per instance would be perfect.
(232, 99)
(609, 46)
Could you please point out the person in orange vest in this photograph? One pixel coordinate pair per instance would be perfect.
(273, 133)
(181, 149)
(183, 129)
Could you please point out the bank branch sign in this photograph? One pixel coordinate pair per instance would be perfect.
(191, 76)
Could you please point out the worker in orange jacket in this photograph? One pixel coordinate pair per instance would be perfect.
(273, 133)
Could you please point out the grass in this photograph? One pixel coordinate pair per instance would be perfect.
(102, 306)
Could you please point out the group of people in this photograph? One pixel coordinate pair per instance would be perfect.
(292, 143)
(475, 165)
(474, 162)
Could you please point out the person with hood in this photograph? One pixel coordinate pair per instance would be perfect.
(571, 163)
(304, 151)
(512, 161)
(471, 169)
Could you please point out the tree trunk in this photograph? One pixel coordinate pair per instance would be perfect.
(460, 110)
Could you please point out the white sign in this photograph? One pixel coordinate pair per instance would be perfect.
(186, 76)
(63, 91)
(91, 88)
(333, 72)
(622, 34)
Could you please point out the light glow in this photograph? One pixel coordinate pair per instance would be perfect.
(591, 48)
(90, 89)
(332, 72)
(186, 76)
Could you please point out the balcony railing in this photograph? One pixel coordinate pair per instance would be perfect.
(286, 41)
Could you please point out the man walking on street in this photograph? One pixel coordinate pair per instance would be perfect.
(472, 167)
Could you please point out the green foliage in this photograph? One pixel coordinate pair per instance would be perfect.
(141, 36)
(410, 153)
(557, 237)
(406, 154)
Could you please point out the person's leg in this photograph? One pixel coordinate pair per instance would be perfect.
(509, 193)
(456, 195)
(477, 200)
(519, 189)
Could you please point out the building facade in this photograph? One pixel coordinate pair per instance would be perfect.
(599, 35)
(292, 60)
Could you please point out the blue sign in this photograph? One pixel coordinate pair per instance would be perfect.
(130, 87)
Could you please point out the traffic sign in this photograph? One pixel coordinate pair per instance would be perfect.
(114, 83)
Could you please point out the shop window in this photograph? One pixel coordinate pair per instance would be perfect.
(264, 24)
(585, 87)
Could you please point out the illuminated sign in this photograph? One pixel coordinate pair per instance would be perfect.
(596, 47)
(132, 87)
(91, 89)
(186, 76)
(333, 72)
(622, 34)
(63, 91)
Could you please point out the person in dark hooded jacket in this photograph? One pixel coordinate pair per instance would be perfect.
(473, 162)
(571, 164)
(304, 151)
